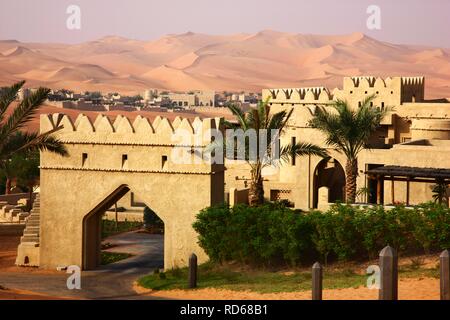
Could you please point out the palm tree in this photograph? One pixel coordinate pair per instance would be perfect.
(348, 131)
(440, 192)
(12, 138)
(262, 121)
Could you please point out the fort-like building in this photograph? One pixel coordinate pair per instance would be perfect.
(110, 159)
(401, 166)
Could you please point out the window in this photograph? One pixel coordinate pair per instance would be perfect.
(164, 162)
(359, 103)
(382, 105)
(124, 160)
(84, 158)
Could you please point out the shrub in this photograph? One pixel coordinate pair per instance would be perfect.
(274, 234)
(268, 234)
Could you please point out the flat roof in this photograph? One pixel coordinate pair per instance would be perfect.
(410, 172)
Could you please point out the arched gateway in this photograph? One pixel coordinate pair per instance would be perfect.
(106, 160)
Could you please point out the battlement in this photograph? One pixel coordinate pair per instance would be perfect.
(298, 95)
(416, 81)
(388, 91)
(122, 131)
(366, 82)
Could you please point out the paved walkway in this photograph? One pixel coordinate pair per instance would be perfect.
(113, 281)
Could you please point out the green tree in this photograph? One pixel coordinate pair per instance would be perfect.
(23, 168)
(12, 138)
(348, 130)
(261, 121)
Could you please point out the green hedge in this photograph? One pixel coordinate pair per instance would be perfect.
(273, 234)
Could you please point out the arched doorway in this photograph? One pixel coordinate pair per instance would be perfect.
(93, 223)
(106, 160)
(330, 174)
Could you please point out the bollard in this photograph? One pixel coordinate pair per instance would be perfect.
(445, 275)
(192, 271)
(317, 281)
(388, 274)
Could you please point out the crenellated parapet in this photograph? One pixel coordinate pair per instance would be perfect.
(366, 82)
(123, 131)
(390, 91)
(400, 89)
(413, 81)
(298, 95)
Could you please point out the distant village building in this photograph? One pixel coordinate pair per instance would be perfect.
(191, 99)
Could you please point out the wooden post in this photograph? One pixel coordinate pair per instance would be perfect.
(388, 274)
(407, 191)
(445, 275)
(378, 190)
(116, 216)
(192, 271)
(317, 281)
(392, 190)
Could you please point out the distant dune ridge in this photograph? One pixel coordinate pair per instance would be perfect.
(234, 62)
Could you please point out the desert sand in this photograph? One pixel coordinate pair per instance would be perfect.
(234, 62)
(418, 288)
(409, 289)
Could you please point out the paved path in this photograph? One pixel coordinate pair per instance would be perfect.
(113, 281)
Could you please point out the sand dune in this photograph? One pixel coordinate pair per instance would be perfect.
(220, 62)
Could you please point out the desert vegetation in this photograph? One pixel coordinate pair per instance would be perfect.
(263, 123)
(272, 234)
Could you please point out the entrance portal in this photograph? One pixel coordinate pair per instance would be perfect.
(106, 160)
(330, 174)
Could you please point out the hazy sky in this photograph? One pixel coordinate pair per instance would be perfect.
(402, 21)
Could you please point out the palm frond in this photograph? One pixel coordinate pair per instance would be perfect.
(301, 149)
(7, 96)
(349, 129)
(239, 114)
(23, 113)
(23, 142)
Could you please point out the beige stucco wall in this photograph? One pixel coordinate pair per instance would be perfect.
(411, 118)
(71, 187)
(67, 196)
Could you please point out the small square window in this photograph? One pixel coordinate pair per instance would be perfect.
(84, 158)
(124, 160)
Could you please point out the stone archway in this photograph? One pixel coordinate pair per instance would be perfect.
(92, 228)
(329, 182)
(105, 161)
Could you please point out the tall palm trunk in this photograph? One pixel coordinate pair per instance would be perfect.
(256, 191)
(351, 172)
(8, 186)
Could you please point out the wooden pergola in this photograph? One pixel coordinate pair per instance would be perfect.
(408, 174)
